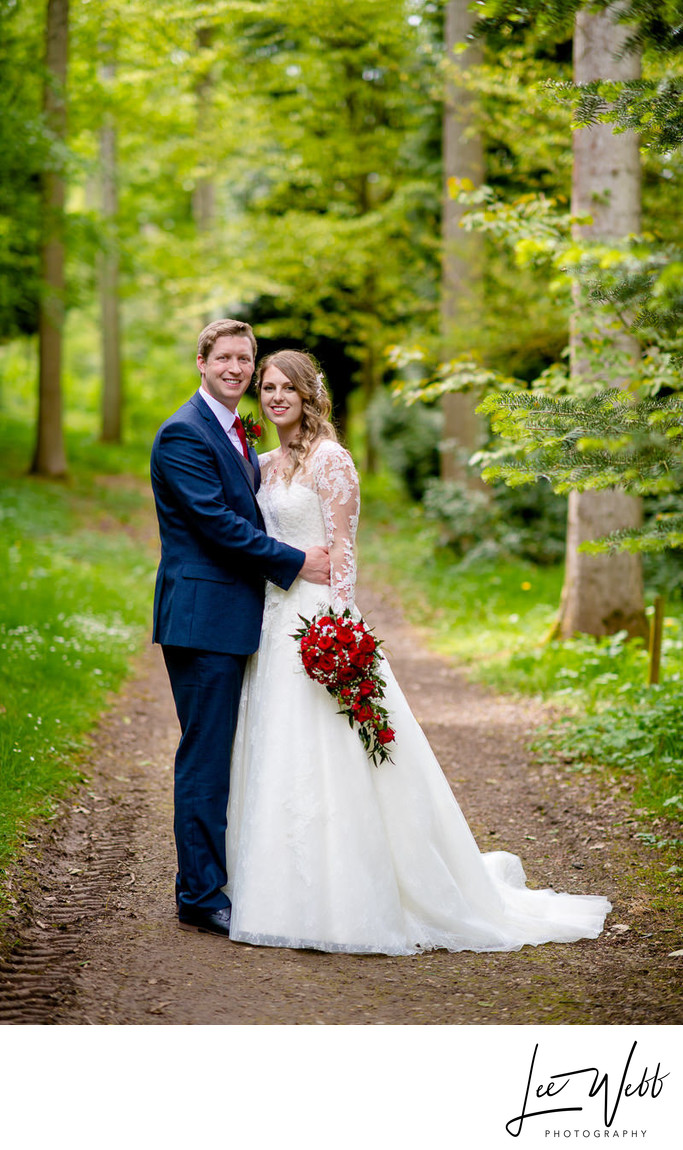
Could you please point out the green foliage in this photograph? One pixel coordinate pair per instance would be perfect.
(615, 720)
(633, 286)
(407, 441)
(476, 612)
(75, 606)
(653, 24)
(341, 114)
(641, 734)
(524, 136)
(460, 374)
(507, 524)
(606, 440)
(652, 108)
(663, 570)
(310, 134)
(585, 441)
(24, 147)
(636, 283)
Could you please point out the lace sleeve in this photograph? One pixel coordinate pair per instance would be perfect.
(337, 486)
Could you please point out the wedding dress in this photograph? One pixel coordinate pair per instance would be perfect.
(326, 850)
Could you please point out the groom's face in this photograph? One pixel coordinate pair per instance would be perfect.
(227, 369)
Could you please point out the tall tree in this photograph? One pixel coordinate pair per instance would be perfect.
(462, 259)
(602, 594)
(50, 457)
(112, 384)
(204, 196)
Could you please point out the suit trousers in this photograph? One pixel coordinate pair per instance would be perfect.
(206, 688)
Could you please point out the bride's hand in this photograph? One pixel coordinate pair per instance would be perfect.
(316, 568)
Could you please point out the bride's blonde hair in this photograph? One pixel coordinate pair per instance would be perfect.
(304, 372)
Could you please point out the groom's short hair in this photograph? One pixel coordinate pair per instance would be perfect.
(219, 327)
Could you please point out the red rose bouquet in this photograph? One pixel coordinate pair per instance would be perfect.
(344, 657)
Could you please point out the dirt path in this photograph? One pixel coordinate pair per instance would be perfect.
(97, 941)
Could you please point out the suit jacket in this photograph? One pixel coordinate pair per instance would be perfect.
(215, 553)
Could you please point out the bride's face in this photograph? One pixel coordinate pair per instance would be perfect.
(280, 400)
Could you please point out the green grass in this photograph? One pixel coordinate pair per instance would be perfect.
(494, 619)
(75, 607)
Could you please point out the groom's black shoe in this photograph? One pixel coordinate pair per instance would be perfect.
(206, 921)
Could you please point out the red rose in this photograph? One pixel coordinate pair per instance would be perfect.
(386, 735)
(358, 659)
(325, 621)
(344, 634)
(325, 642)
(348, 674)
(367, 644)
(362, 712)
(257, 430)
(366, 689)
(326, 663)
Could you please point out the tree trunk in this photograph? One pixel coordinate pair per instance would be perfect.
(602, 594)
(462, 260)
(50, 457)
(112, 390)
(204, 195)
(370, 382)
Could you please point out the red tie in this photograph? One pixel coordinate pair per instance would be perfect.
(241, 436)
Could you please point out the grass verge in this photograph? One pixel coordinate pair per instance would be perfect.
(77, 579)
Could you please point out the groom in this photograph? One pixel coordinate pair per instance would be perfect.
(208, 601)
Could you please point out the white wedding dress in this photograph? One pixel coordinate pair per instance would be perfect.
(326, 850)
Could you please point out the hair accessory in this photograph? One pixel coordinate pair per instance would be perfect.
(320, 380)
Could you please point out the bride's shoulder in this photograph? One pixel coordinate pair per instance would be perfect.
(333, 465)
(327, 454)
(266, 459)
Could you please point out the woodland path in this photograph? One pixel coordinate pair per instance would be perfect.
(96, 939)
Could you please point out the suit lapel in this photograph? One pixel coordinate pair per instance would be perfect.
(246, 467)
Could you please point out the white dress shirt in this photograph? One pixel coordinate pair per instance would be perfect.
(225, 417)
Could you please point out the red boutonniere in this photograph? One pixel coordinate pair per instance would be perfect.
(252, 429)
(344, 657)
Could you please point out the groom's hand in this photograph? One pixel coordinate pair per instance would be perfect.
(316, 568)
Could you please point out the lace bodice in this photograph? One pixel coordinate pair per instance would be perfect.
(318, 507)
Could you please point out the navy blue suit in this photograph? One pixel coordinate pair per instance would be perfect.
(208, 608)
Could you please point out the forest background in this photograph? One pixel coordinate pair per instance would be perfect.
(398, 186)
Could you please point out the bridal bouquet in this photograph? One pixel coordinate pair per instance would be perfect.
(344, 656)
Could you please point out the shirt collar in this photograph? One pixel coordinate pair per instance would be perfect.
(223, 414)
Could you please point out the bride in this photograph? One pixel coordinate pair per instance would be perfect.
(326, 850)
